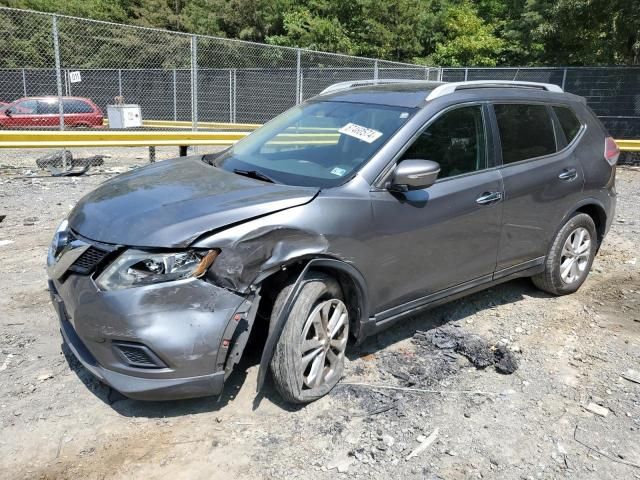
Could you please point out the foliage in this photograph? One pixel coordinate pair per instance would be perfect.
(443, 32)
(467, 39)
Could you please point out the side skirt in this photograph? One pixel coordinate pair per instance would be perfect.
(389, 317)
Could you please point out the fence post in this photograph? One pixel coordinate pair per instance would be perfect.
(194, 83)
(466, 74)
(119, 82)
(564, 78)
(298, 94)
(175, 98)
(231, 95)
(24, 82)
(301, 85)
(375, 70)
(235, 91)
(56, 52)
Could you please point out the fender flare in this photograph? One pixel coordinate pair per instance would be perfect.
(582, 203)
(276, 331)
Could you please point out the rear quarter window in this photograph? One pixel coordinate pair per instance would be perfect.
(526, 131)
(568, 122)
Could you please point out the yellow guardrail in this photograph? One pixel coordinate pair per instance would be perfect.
(138, 138)
(189, 125)
(113, 138)
(628, 145)
(157, 138)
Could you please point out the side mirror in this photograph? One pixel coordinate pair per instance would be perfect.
(414, 175)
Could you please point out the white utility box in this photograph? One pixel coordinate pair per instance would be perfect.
(124, 116)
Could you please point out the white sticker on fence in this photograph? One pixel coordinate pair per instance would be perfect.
(74, 77)
(361, 133)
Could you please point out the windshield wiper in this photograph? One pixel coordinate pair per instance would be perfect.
(254, 174)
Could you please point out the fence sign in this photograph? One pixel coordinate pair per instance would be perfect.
(74, 77)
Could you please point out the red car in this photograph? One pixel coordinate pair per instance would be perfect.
(44, 112)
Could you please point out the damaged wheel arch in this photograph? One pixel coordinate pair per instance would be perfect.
(354, 289)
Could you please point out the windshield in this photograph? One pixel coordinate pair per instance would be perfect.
(319, 144)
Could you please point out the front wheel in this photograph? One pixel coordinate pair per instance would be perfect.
(570, 257)
(309, 357)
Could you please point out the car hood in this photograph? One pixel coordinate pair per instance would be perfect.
(171, 203)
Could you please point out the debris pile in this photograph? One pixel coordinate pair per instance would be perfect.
(475, 348)
(64, 159)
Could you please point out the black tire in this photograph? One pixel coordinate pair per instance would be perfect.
(551, 280)
(286, 364)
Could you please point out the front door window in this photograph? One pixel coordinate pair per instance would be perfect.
(456, 140)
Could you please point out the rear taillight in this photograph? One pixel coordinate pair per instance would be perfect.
(611, 151)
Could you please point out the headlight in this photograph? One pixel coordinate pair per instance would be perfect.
(59, 241)
(135, 268)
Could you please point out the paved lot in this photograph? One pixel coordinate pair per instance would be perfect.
(57, 422)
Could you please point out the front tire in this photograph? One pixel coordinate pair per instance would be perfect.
(570, 257)
(309, 357)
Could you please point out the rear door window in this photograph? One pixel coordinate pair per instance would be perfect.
(568, 122)
(76, 106)
(526, 131)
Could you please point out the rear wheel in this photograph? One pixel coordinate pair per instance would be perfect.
(309, 356)
(570, 257)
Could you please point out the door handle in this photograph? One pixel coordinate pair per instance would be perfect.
(568, 174)
(489, 198)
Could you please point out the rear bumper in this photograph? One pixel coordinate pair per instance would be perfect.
(183, 325)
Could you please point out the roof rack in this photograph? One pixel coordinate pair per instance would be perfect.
(449, 88)
(361, 83)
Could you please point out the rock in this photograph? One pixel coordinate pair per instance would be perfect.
(597, 409)
(30, 221)
(388, 440)
(505, 362)
(423, 444)
(5, 242)
(341, 462)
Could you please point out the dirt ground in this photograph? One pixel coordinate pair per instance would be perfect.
(573, 354)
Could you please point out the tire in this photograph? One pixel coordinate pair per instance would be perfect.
(320, 302)
(570, 258)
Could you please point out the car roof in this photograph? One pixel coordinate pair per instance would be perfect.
(407, 95)
(51, 97)
(416, 94)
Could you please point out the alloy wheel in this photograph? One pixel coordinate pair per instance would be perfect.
(324, 341)
(575, 255)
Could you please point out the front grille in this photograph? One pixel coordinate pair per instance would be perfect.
(139, 356)
(89, 260)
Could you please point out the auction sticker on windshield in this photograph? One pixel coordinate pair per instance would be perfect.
(361, 133)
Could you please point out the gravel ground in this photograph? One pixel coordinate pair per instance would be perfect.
(425, 410)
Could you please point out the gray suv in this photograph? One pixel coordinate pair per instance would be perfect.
(343, 215)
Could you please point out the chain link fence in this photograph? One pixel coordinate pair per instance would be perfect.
(612, 92)
(171, 76)
(196, 79)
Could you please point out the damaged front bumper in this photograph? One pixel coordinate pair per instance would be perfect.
(157, 342)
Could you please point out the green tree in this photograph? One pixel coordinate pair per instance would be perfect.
(466, 39)
(304, 28)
